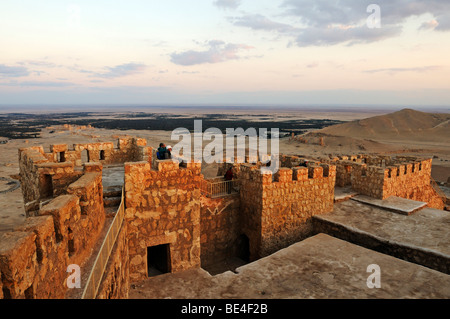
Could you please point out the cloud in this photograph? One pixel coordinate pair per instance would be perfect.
(430, 25)
(260, 22)
(218, 51)
(349, 12)
(120, 70)
(38, 63)
(324, 23)
(397, 70)
(13, 71)
(38, 84)
(443, 22)
(189, 72)
(228, 4)
(316, 36)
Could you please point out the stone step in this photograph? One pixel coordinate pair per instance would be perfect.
(112, 201)
(112, 192)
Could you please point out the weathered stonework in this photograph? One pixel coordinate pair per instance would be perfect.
(62, 228)
(18, 264)
(220, 224)
(116, 279)
(278, 209)
(163, 207)
(44, 175)
(383, 176)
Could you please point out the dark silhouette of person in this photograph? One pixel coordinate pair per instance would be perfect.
(229, 177)
(162, 151)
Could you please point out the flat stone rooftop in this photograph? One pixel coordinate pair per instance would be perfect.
(343, 193)
(320, 267)
(393, 203)
(423, 237)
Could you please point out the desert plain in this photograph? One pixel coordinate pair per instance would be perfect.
(360, 131)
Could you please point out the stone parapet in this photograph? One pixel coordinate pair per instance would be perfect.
(34, 257)
(163, 208)
(277, 209)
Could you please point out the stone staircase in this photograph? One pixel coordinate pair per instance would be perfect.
(112, 196)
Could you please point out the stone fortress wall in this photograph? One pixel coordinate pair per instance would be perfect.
(65, 215)
(165, 207)
(277, 209)
(34, 258)
(384, 176)
(44, 175)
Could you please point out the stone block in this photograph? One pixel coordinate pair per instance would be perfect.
(315, 172)
(92, 167)
(284, 175)
(57, 148)
(300, 173)
(18, 264)
(63, 208)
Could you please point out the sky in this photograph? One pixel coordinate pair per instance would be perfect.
(225, 52)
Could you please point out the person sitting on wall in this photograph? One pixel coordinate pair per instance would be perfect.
(305, 164)
(162, 150)
(169, 152)
(229, 177)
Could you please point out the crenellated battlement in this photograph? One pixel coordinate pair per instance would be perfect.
(277, 208)
(45, 175)
(34, 257)
(63, 195)
(287, 175)
(128, 149)
(385, 176)
(164, 207)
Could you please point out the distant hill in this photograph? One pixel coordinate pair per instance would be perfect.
(404, 124)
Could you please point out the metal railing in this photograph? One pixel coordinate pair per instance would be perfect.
(96, 275)
(219, 188)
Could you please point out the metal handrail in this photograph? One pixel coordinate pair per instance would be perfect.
(96, 275)
(214, 189)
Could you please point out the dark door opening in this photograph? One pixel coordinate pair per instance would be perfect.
(243, 248)
(61, 157)
(6, 293)
(29, 294)
(102, 155)
(158, 260)
(47, 186)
